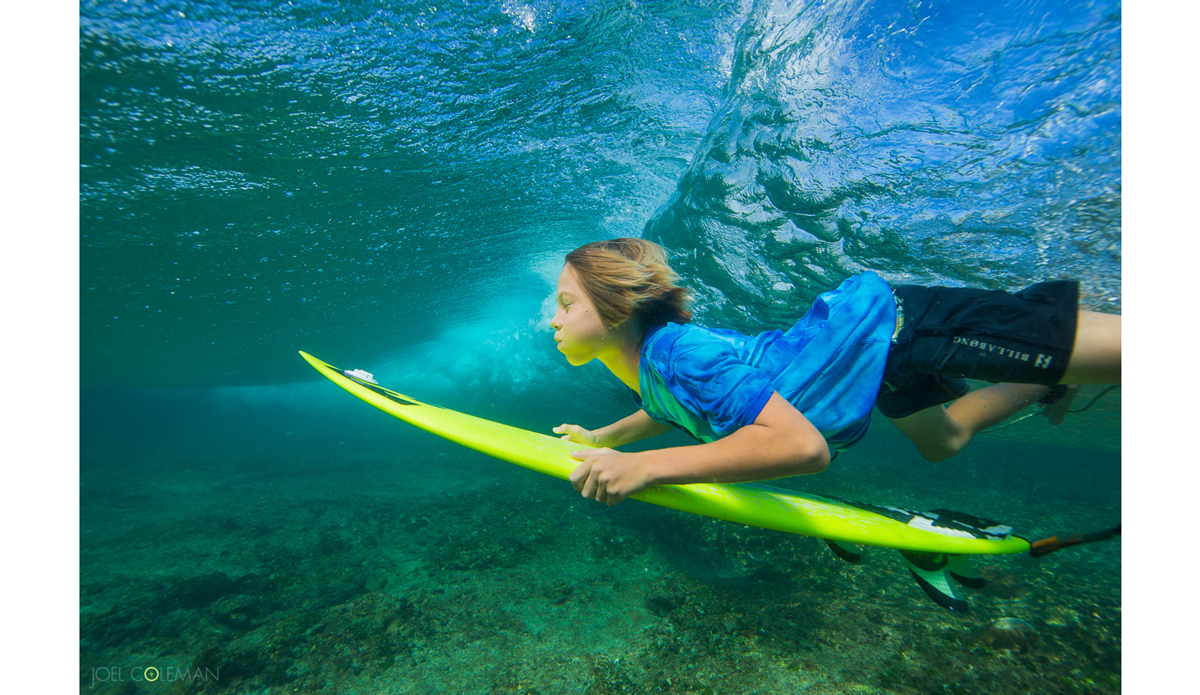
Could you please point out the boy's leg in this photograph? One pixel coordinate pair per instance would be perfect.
(942, 431)
(1096, 356)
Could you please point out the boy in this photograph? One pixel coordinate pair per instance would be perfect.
(773, 405)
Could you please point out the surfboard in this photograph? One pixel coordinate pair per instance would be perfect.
(837, 520)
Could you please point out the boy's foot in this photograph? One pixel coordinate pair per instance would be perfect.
(1057, 411)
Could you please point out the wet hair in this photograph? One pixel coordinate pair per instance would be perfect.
(630, 277)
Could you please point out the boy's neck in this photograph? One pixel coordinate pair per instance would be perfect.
(624, 359)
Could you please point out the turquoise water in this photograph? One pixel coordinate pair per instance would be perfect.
(393, 187)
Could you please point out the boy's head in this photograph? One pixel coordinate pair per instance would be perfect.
(630, 277)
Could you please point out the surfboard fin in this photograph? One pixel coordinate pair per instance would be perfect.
(963, 572)
(938, 575)
(847, 551)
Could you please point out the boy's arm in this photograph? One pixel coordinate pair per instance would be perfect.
(634, 428)
(780, 442)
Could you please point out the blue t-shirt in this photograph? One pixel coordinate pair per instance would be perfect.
(712, 382)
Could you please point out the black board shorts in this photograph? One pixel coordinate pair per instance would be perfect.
(946, 335)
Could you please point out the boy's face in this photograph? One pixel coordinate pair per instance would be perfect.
(578, 329)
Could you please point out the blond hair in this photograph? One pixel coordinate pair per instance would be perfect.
(630, 277)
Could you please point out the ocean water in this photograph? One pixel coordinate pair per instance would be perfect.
(392, 187)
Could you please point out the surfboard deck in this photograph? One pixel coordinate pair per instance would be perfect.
(751, 504)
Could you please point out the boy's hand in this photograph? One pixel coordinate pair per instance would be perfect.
(577, 434)
(608, 476)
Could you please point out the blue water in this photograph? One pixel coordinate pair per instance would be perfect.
(392, 186)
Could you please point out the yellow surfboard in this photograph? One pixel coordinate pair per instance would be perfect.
(751, 504)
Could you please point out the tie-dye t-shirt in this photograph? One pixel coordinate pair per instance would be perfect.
(829, 365)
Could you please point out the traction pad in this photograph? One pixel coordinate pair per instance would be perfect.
(944, 521)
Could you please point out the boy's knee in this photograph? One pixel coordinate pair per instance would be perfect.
(942, 449)
(936, 435)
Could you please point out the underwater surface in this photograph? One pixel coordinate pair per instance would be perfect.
(393, 186)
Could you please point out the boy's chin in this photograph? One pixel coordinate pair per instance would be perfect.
(576, 361)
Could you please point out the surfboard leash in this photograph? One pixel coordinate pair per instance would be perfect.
(1026, 416)
(1053, 544)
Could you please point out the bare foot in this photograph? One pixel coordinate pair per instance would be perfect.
(1057, 411)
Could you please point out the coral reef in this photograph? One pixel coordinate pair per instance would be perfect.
(267, 583)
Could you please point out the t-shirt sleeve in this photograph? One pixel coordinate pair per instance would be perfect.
(711, 380)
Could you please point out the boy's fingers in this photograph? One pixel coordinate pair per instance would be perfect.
(591, 488)
(579, 475)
